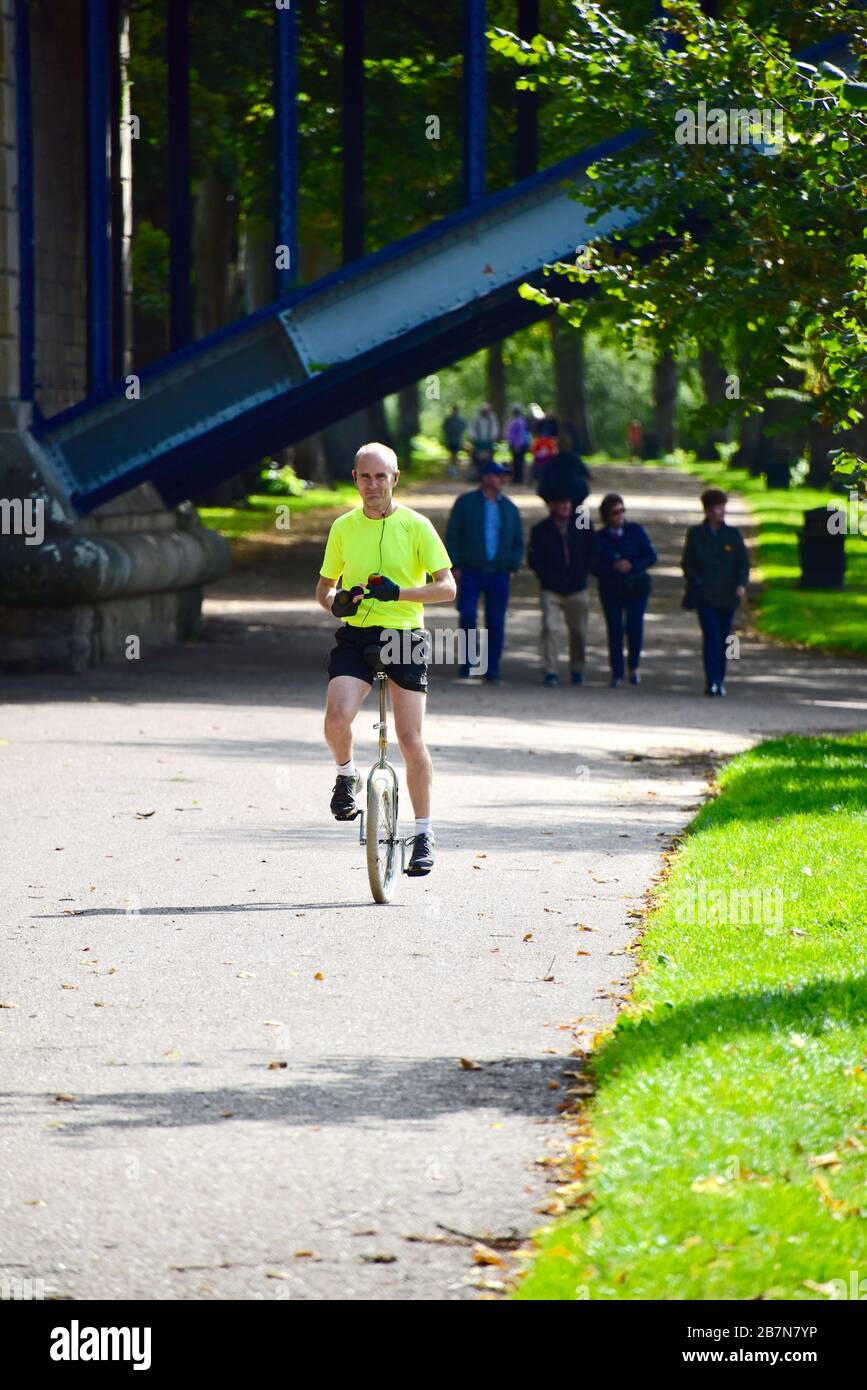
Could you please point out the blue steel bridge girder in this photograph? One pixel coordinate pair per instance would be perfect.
(98, 199)
(289, 368)
(286, 146)
(26, 250)
(475, 102)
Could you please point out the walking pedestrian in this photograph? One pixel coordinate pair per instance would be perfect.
(484, 432)
(485, 539)
(454, 432)
(518, 439)
(565, 474)
(561, 555)
(717, 570)
(634, 440)
(543, 449)
(624, 555)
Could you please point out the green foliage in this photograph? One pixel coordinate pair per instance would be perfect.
(282, 482)
(764, 245)
(150, 269)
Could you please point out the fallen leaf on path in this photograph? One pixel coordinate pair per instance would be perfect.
(144, 815)
(318, 975)
(7, 1004)
(70, 986)
(468, 1065)
(484, 1255)
(278, 1273)
(64, 1096)
(582, 953)
(528, 936)
(277, 1066)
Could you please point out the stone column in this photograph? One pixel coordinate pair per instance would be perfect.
(72, 590)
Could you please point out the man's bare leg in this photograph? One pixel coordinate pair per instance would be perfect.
(408, 706)
(345, 694)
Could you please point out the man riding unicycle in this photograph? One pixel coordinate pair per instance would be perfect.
(382, 553)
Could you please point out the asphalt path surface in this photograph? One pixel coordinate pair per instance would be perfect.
(226, 1073)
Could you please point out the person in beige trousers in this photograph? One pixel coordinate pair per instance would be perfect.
(561, 552)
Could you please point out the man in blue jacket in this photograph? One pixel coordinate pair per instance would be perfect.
(485, 540)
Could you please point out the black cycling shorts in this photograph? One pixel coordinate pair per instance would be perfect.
(346, 657)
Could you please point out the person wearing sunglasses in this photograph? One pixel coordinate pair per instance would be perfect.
(623, 557)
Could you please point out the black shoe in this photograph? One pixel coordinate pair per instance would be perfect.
(343, 805)
(421, 860)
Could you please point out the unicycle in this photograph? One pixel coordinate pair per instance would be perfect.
(378, 823)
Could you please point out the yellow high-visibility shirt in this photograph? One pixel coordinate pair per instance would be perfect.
(403, 546)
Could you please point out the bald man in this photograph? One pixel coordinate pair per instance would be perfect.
(381, 537)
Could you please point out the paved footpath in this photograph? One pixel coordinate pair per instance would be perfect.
(226, 1072)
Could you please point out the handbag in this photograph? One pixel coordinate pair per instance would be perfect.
(636, 585)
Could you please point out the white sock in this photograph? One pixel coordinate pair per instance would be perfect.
(346, 769)
(422, 825)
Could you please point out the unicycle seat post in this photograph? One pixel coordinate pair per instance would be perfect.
(381, 679)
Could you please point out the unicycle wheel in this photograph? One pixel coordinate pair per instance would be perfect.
(382, 843)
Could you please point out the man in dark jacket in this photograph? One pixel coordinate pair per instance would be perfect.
(717, 571)
(561, 554)
(564, 475)
(485, 540)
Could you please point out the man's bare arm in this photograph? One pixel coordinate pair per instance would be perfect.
(442, 590)
(325, 591)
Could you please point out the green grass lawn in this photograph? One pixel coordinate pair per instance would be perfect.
(260, 514)
(828, 619)
(726, 1154)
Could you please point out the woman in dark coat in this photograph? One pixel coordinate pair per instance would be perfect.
(624, 555)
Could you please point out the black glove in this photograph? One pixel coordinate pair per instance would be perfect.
(382, 588)
(344, 604)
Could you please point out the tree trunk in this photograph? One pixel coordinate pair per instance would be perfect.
(345, 437)
(749, 443)
(213, 252)
(567, 346)
(665, 402)
(713, 376)
(495, 372)
(408, 422)
(308, 460)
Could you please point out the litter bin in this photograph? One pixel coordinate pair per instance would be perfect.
(823, 552)
(775, 461)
